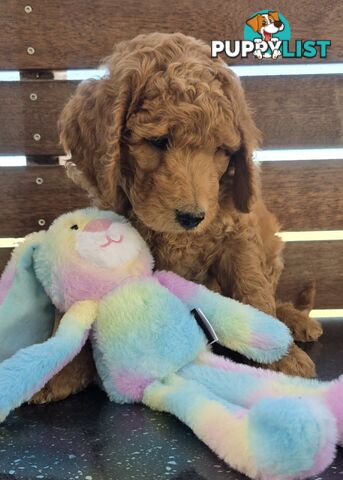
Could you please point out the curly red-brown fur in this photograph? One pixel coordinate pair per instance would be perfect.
(168, 86)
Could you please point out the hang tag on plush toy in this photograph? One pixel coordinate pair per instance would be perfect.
(205, 326)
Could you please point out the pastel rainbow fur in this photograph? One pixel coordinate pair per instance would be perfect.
(256, 336)
(39, 362)
(148, 348)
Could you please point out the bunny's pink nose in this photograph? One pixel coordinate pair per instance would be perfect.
(98, 225)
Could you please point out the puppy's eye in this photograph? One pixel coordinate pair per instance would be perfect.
(74, 227)
(223, 150)
(161, 143)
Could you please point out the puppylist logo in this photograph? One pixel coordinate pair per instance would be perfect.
(267, 34)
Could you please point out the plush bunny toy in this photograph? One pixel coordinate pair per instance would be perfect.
(148, 347)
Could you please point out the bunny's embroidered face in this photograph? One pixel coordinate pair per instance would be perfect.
(106, 243)
(86, 253)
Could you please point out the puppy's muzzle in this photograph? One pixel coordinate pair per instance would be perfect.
(189, 220)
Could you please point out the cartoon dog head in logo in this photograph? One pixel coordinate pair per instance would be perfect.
(266, 24)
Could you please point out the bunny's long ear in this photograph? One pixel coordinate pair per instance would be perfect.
(26, 312)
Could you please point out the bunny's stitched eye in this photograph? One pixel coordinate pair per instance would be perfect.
(74, 227)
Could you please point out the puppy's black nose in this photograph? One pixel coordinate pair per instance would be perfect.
(189, 220)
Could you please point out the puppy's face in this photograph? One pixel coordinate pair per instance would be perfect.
(176, 150)
(166, 134)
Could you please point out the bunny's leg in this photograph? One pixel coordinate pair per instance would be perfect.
(30, 368)
(279, 439)
(246, 385)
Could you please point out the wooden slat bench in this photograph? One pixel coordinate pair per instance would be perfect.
(301, 112)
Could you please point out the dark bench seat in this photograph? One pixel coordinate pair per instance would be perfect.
(87, 437)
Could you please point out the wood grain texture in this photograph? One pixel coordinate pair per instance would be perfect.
(322, 261)
(319, 261)
(24, 202)
(294, 191)
(301, 111)
(21, 118)
(297, 111)
(75, 33)
(305, 195)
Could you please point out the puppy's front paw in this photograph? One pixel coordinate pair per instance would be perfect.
(56, 390)
(45, 395)
(296, 363)
(308, 331)
(303, 327)
(74, 377)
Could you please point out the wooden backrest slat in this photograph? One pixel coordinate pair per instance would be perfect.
(300, 110)
(294, 191)
(71, 33)
(32, 194)
(311, 116)
(319, 261)
(21, 118)
(305, 195)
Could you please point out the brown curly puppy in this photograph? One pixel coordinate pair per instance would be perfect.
(166, 138)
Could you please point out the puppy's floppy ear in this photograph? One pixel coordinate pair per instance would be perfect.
(255, 22)
(78, 129)
(244, 178)
(91, 126)
(245, 181)
(26, 311)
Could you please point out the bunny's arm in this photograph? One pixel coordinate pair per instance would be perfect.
(240, 327)
(26, 372)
